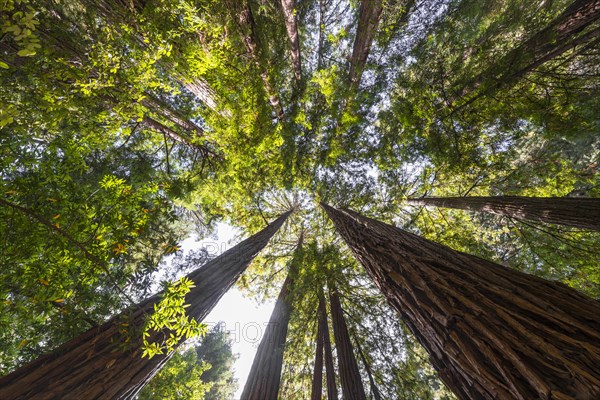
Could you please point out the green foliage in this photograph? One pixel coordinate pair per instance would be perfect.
(169, 318)
(178, 379)
(94, 197)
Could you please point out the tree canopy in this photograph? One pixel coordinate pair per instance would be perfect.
(129, 126)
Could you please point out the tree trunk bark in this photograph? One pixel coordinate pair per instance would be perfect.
(248, 31)
(103, 363)
(332, 391)
(374, 388)
(265, 375)
(352, 386)
(369, 13)
(578, 212)
(291, 25)
(317, 382)
(491, 332)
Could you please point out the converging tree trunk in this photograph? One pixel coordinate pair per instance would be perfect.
(561, 35)
(352, 386)
(247, 27)
(369, 13)
(332, 391)
(265, 375)
(317, 381)
(291, 25)
(570, 211)
(106, 361)
(374, 388)
(491, 332)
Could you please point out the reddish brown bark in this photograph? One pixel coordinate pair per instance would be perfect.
(369, 13)
(332, 391)
(317, 382)
(579, 212)
(291, 25)
(351, 382)
(265, 375)
(491, 332)
(374, 388)
(102, 364)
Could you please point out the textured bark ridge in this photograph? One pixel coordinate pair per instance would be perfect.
(571, 211)
(265, 375)
(491, 332)
(100, 364)
(317, 382)
(351, 382)
(369, 13)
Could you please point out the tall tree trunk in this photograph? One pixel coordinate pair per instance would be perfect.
(369, 13)
(332, 391)
(291, 25)
(559, 36)
(265, 375)
(491, 332)
(101, 364)
(317, 382)
(374, 388)
(352, 387)
(570, 211)
(247, 27)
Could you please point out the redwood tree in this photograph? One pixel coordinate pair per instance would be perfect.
(102, 364)
(332, 391)
(265, 375)
(571, 211)
(369, 13)
(352, 386)
(317, 382)
(491, 332)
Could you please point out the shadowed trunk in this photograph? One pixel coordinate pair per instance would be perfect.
(491, 332)
(374, 388)
(265, 375)
(247, 27)
(102, 363)
(560, 36)
(369, 13)
(570, 211)
(351, 382)
(332, 391)
(291, 25)
(317, 382)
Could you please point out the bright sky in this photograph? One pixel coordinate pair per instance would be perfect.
(243, 318)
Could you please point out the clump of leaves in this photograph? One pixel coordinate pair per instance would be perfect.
(170, 319)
